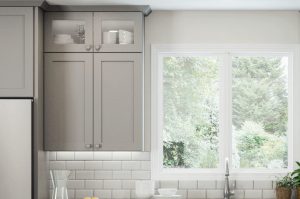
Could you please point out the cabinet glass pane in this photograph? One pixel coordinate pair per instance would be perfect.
(68, 32)
(117, 32)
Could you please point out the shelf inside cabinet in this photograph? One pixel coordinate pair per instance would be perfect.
(68, 32)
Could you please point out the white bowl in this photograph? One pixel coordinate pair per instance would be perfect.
(167, 192)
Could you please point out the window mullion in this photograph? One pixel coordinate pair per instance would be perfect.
(225, 129)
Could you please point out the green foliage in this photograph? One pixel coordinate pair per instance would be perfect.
(173, 154)
(286, 182)
(191, 109)
(296, 176)
(259, 103)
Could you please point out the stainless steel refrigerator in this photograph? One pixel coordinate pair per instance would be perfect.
(16, 148)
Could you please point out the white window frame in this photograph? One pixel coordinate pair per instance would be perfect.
(225, 51)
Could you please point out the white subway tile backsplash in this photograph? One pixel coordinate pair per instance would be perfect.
(141, 175)
(122, 175)
(58, 165)
(102, 194)
(196, 194)
(112, 184)
(274, 184)
(112, 165)
(121, 194)
(140, 155)
(220, 184)
(94, 184)
(75, 184)
(75, 165)
(103, 174)
(85, 175)
(131, 165)
(71, 193)
(84, 155)
(121, 156)
(266, 184)
(146, 165)
(269, 194)
(188, 184)
(128, 184)
(83, 193)
(253, 194)
(52, 155)
(72, 175)
(169, 184)
(214, 194)
(132, 194)
(93, 165)
(208, 184)
(65, 155)
(239, 194)
(182, 192)
(243, 184)
(112, 175)
(102, 155)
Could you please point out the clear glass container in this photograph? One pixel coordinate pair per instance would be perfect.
(59, 181)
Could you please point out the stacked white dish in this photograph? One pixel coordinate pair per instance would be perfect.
(63, 39)
(125, 37)
(167, 194)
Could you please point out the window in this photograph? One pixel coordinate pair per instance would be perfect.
(212, 103)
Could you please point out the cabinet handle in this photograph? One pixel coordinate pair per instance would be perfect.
(88, 47)
(98, 47)
(98, 145)
(88, 146)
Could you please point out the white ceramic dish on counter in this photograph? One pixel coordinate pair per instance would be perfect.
(167, 197)
(167, 191)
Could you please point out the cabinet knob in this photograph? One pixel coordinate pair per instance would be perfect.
(88, 146)
(98, 145)
(88, 47)
(97, 47)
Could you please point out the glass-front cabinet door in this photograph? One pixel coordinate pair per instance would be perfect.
(118, 32)
(69, 32)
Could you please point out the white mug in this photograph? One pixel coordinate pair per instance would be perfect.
(144, 188)
(110, 37)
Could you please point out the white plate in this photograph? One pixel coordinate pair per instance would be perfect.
(162, 196)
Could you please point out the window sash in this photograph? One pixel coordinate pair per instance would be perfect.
(224, 52)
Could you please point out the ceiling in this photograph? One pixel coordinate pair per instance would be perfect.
(193, 4)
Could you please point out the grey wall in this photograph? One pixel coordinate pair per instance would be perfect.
(196, 27)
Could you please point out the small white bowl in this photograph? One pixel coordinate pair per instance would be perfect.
(167, 192)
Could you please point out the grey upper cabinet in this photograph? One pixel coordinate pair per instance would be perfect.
(16, 52)
(94, 31)
(118, 31)
(68, 32)
(118, 101)
(68, 122)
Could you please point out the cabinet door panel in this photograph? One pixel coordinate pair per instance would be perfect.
(68, 101)
(16, 52)
(68, 32)
(118, 107)
(123, 23)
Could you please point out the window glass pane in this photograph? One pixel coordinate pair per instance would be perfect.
(260, 111)
(191, 111)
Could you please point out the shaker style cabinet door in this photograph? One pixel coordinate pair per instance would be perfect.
(118, 31)
(16, 52)
(68, 32)
(118, 101)
(68, 108)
